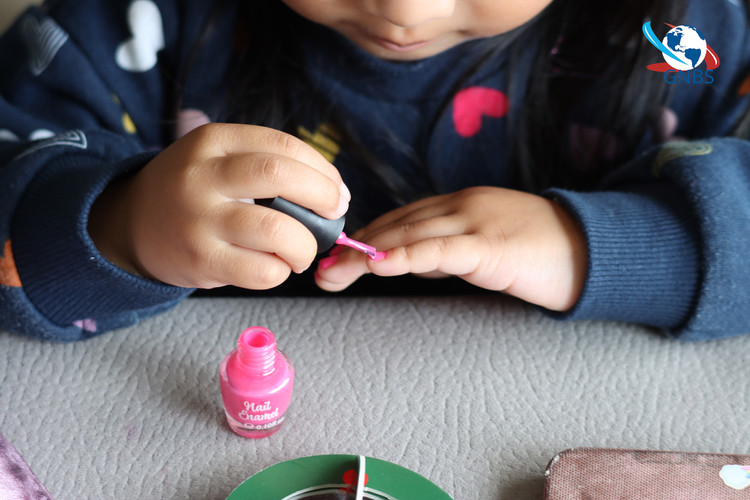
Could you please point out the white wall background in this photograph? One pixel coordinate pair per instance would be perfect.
(9, 9)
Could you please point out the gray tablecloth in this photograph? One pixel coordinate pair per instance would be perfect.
(475, 393)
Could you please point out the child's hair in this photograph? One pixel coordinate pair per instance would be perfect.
(581, 43)
(587, 43)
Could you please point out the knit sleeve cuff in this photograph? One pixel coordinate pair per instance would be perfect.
(61, 271)
(643, 255)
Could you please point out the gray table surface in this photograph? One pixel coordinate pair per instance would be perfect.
(475, 393)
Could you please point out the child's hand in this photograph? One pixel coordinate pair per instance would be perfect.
(495, 238)
(181, 220)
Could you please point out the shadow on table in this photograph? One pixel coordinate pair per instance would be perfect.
(531, 488)
(367, 286)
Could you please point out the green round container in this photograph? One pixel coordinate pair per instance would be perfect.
(328, 477)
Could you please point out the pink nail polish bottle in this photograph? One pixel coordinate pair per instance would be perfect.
(256, 384)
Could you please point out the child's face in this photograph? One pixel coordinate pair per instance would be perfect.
(407, 30)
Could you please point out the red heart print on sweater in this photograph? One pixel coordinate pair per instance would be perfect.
(472, 104)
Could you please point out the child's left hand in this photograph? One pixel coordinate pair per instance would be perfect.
(499, 239)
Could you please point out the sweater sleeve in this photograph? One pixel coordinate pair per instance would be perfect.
(82, 100)
(667, 244)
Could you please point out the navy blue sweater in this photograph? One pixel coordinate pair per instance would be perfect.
(85, 96)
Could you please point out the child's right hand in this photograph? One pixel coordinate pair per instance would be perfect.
(180, 220)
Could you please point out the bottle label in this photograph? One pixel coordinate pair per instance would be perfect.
(263, 427)
(258, 412)
(260, 416)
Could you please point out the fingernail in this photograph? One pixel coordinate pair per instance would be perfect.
(343, 206)
(379, 256)
(327, 262)
(345, 193)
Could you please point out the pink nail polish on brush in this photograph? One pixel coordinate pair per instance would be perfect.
(256, 382)
(368, 250)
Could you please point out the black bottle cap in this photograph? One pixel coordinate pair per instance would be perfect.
(326, 231)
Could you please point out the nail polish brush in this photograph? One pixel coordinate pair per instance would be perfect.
(327, 232)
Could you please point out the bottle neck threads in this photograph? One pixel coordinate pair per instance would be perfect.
(257, 350)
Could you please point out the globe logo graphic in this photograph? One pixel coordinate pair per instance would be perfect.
(683, 48)
(688, 44)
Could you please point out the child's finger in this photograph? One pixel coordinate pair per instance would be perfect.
(421, 209)
(454, 255)
(422, 224)
(245, 268)
(418, 224)
(336, 272)
(265, 175)
(267, 230)
(233, 139)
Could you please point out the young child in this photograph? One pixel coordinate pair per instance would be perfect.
(540, 148)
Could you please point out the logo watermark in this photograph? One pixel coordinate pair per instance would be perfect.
(684, 49)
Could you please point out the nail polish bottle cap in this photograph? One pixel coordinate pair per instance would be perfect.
(326, 231)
